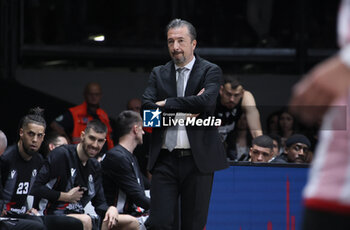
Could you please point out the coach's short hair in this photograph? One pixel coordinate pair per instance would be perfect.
(176, 23)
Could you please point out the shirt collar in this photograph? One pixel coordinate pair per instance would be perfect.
(189, 65)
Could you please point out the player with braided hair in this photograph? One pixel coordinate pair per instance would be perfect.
(20, 164)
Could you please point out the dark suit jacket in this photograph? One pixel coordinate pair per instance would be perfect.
(207, 149)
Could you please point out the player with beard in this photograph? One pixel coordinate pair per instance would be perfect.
(71, 177)
(19, 166)
(182, 160)
(233, 100)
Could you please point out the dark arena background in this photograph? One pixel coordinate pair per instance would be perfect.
(49, 50)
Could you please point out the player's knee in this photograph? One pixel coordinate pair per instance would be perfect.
(127, 222)
(134, 224)
(87, 222)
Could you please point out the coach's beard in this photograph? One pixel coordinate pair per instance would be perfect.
(179, 58)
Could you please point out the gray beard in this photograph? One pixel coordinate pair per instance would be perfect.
(179, 61)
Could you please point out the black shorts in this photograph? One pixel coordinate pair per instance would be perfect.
(96, 222)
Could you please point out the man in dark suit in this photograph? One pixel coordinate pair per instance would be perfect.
(183, 158)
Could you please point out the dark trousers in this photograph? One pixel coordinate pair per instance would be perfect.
(323, 220)
(51, 222)
(174, 177)
(25, 222)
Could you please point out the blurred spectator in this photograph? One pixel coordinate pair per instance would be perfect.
(242, 140)
(272, 123)
(3, 142)
(53, 140)
(74, 121)
(261, 150)
(287, 125)
(277, 148)
(134, 104)
(297, 150)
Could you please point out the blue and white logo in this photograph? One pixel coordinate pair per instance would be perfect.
(151, 118)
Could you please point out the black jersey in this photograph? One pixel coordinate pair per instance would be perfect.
(17, 178)
(123, 182)
(63, 171)
(228, 117)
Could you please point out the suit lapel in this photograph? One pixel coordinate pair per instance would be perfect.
(194, 79)
(169, 81)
